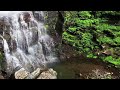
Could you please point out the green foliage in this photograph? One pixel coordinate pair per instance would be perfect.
(87, 31)
(86, 40)
(71, 39)
(84, 14)
(100, 13)
(112, 60)
(105, 26)
(72, 29)
(91, 56)
(105, 40)
(117, 40)
(85, 23)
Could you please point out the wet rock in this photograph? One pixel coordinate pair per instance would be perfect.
(1, 77)
(104, 46)
(107, 52)
(7, 37)
(26, 17)
(13, 45)
(98, 74)
(1, 42)
(38, 15)
(50, 74)
(21, 74)
(34, 74)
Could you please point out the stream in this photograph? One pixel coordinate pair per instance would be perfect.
(85, 68)
(81, 67)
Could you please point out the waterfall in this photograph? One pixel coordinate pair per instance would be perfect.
(25, 40)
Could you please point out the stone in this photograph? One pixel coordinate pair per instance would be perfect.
(26, 17)
(99, 74)
(1, 77)
(50, 74)
(107, 52)
(21, 74)
(34, 74)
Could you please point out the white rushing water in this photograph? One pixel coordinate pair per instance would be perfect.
(29, 46)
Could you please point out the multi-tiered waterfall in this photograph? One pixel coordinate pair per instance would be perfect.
(25, 40)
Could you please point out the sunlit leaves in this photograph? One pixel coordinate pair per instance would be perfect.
(115, 61)
(89, 30)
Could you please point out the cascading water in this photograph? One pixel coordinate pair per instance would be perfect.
(29, 46)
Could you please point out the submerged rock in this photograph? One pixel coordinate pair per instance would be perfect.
(21, 74)
(50, 74)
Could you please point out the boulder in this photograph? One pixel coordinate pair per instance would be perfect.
(49, 74)
(34, 74)
(1, 77)
(21, 74)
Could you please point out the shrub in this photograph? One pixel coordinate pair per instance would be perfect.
(87, 31)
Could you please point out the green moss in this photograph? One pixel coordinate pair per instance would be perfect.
(84, 15)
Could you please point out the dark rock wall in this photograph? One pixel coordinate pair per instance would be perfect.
(54, 21)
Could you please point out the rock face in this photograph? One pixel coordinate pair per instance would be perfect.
(54, 21)
(50, 74)
(21, 74)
